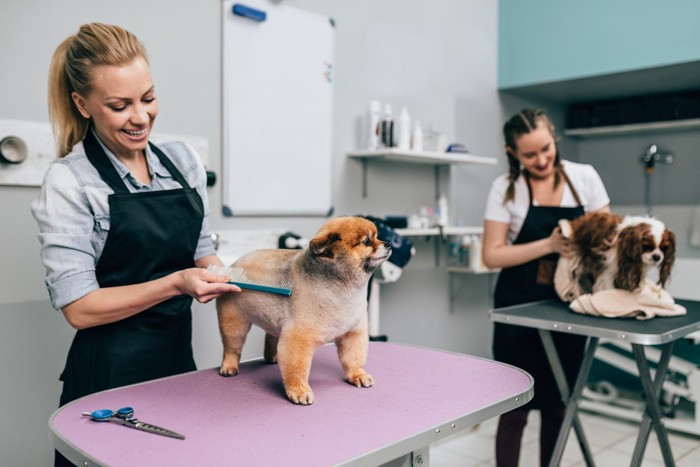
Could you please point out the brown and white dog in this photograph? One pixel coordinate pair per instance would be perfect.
(328, 303)
(613, 252)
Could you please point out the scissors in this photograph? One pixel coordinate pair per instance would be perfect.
(125, 416)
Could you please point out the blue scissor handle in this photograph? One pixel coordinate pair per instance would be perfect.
(105, 414)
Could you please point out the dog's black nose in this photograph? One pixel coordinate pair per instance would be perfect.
(656, 258)
(387, 244)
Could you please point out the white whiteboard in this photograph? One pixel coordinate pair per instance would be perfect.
(278, 107)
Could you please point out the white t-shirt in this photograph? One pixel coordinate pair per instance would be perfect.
(583, 177)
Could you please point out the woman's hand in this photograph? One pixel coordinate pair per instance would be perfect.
(204, 285)
(560, 244)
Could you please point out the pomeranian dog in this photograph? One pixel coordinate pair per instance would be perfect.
(614, 252)
(328, 304)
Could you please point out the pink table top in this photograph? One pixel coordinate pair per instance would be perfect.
(420, 395)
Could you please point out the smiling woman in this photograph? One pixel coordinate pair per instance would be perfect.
(123, 223)
(521, 236)
(123, 107)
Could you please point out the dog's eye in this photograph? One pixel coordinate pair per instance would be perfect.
(367, 242)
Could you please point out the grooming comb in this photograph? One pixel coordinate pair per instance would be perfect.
(240, 278)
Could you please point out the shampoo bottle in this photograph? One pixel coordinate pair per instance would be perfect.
(443, 212)
(374, 123)
(475, 254)
(404, 130)
(417, 137)
(388, 127)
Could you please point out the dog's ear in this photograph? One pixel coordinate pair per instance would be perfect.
(323, 245)
(629, 259)
(668, 247)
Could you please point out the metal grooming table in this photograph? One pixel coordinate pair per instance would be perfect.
(555, 316)
(420, 396)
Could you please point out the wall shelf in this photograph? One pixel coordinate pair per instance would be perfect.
(468, 270)
(422, 157)
(440, 235)
(651, 127)
(433, 158)
(437, 231)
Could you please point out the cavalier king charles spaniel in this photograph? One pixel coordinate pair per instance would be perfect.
(614, 252)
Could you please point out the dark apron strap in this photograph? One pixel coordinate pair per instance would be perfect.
(169, 165)
(104, 166)
(109, 173)
(566, 179)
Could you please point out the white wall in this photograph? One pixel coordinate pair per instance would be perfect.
(438, 58)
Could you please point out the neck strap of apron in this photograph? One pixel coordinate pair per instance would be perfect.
(108, 172)
(165, 160)
(566, 179)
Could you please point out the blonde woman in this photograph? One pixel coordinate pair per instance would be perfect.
(123, 223)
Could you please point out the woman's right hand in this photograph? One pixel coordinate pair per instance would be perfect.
(558, 243)
(204, 285)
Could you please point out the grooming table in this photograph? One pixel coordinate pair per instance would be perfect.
(420, 396)
(555, 316)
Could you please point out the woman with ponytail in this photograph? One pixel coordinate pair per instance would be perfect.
(123, 223)
(521, 236)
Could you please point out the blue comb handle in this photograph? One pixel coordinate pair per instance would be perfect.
(263, 288)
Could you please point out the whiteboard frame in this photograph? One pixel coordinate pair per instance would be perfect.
(312, 183)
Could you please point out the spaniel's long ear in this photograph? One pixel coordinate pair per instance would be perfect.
(668, 247)
(322, 245)
(629, 259)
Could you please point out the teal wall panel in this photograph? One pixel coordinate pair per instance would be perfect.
(543, 41)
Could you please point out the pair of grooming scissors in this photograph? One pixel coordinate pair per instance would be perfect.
(125, 416)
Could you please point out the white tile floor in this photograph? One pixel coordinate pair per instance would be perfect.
(611, 441)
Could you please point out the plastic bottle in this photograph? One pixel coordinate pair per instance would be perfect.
(417, 137)
(388, 127)
(404, 130)
(475, 254)
(443, 211)
(373, 120)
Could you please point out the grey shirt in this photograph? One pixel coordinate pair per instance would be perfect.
(72, 213)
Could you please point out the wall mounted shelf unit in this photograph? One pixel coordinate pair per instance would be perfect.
(433, 158)
(632, 128)
(468, 270)
(440, 231)
(440, 234)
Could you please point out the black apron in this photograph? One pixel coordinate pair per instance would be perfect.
(533, 281)
(151, 235)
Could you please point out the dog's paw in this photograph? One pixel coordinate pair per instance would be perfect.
(228, 370)
(302, 397)
(364, 380)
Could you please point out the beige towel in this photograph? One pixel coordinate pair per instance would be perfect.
(565, 278)
(652, 300)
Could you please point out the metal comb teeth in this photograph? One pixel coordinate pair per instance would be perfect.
(239, 277)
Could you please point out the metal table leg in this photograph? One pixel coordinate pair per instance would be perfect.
(652, 414)
(570, 399)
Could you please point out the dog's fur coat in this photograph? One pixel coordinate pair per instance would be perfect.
(613, 252)
(328, 303)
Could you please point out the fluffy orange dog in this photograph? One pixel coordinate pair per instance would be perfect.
(328, 303)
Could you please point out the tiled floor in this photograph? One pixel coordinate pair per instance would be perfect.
(611, 441)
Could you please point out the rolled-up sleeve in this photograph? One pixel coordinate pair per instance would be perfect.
(66, 230)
